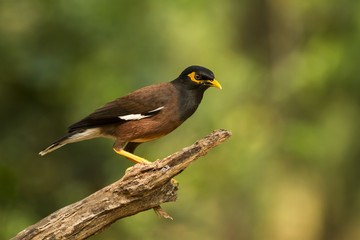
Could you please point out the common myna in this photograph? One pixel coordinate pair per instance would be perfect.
(143, 115)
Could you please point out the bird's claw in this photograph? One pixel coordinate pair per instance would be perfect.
(128, 169)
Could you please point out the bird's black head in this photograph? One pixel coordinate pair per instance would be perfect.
(196, 77)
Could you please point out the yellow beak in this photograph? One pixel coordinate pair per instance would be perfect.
(215, 83)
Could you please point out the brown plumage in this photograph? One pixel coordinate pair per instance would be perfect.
(143, 115)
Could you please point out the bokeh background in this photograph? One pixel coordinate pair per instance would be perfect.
(291, 93)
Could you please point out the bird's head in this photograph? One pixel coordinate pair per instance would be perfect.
(198, 77)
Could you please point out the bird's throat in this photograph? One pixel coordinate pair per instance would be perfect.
(189, 101)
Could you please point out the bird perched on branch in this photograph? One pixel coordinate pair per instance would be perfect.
(143, 115)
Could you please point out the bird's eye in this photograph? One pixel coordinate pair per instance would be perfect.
(197, 77)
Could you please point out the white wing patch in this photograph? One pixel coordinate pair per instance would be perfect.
(139, 116)
(157, 109)
(133, 117)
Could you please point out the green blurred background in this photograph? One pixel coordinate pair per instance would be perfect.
(290, 76)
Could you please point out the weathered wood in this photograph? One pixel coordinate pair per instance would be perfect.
(142, 188)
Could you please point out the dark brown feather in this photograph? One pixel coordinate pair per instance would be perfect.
(138, 102)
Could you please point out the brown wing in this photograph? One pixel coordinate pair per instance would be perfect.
(146, 101)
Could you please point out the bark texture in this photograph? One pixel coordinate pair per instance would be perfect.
(142, 188)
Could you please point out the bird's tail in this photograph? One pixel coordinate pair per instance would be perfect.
(58, 144)
(75, 136)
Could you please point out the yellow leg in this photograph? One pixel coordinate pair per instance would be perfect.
(132, 157)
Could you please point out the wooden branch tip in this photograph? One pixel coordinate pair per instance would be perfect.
(141, 188)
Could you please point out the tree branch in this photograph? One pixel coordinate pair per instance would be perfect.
(142, 188)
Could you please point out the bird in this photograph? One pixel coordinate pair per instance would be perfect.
(143, 115)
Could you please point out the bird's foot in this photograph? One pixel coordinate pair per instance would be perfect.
(173, 181)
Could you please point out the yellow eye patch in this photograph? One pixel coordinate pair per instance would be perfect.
(192, 77)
